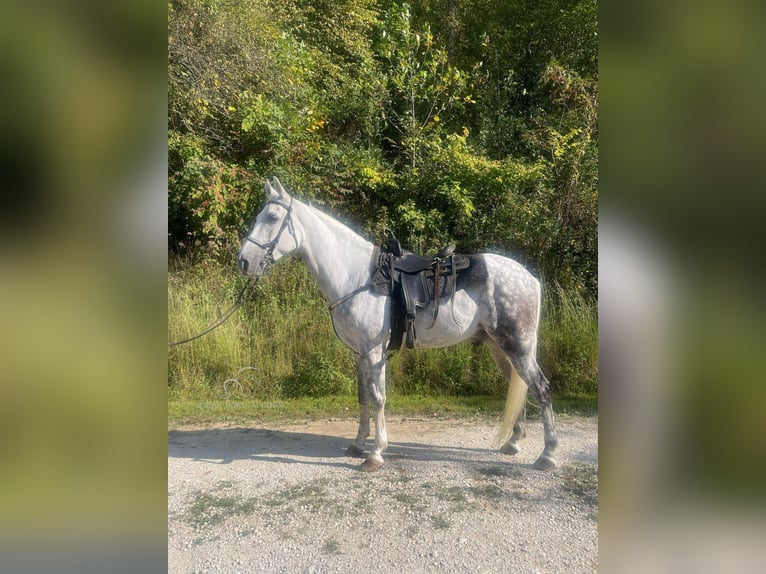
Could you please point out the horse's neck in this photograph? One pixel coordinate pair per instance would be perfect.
(338, 258)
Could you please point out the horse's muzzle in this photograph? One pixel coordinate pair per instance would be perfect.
(243, 265)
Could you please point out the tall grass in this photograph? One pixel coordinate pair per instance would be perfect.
(285, 334)
(568, 349)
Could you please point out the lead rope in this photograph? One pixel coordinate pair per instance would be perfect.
(221, 319)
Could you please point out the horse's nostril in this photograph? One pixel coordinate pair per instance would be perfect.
(243, 265)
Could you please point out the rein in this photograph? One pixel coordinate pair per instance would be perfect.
(221, 319)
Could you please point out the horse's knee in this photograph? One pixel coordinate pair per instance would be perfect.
(378, 400)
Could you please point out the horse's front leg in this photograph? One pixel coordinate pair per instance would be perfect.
(375, 369)
(363, 390)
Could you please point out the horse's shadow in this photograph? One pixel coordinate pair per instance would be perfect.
(223, 446)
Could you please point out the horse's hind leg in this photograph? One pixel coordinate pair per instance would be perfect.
(531, 372)
(357, 447)
(511, 446)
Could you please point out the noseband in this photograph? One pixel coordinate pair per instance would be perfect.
(271, 245)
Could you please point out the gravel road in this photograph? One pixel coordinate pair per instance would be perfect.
(287, 499)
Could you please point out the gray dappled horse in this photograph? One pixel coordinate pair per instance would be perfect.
(498, 305)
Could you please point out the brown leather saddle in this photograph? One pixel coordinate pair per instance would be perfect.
(416, 281)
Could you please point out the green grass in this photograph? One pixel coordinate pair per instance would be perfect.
(440, 523)
(279, 336)
(186, 412)
(278, 359)
(581, 480)
(331, 547)
(211, 509)
(569, 342)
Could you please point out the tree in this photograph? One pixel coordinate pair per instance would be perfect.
(423, 86)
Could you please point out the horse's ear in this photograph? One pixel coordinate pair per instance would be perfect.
(270, 192)
(279, 188)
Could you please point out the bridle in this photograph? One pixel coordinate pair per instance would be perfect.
(269, 246)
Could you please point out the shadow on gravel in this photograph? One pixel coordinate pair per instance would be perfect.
(222, 446)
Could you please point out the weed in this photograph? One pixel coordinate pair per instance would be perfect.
(312, 496)
(492, 471)
(411, 501)
(489, 472)
(211, 509)
(454, 494)
(488, 491)
(331, 547)
(581, 480)
(440, 523)
(569, 342)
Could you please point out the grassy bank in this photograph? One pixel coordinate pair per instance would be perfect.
(278, 355)
(248, 411)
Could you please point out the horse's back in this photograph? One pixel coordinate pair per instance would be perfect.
(508, 273)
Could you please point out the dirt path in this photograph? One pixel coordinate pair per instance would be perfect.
(287, 499)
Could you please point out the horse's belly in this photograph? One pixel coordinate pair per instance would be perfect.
(450, 327)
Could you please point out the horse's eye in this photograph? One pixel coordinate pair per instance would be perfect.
(273, 218)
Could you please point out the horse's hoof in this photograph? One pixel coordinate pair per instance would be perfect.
(510, 448)
(354, 450)
(371, 464)
(545, 462)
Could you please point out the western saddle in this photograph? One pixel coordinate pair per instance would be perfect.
(414, 281)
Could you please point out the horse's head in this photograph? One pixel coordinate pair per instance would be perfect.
(267, 241)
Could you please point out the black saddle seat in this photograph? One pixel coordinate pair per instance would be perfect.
(409, 262)
(416, 281)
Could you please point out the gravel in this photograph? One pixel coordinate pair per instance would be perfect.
(288, 499)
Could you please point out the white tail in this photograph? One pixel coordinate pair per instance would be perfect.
(517, 395)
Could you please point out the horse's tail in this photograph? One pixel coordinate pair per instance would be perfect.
(517, 395)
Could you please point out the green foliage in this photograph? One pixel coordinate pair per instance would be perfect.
(262, 335)
(471, 122)
(569, 342)
(317, 376)
(423, 87)
(316, 364)
(462, 370)
(438, 120)
(208, 198)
